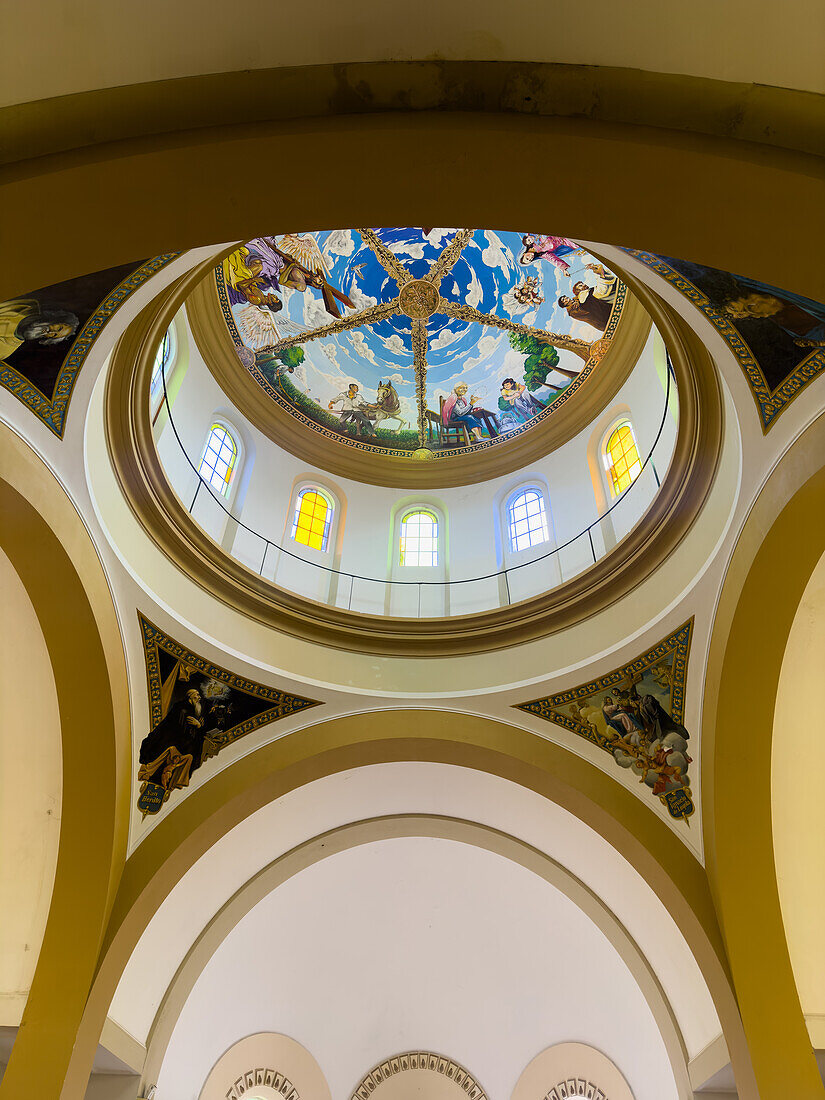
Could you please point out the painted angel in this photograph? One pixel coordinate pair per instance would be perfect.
(305, 268)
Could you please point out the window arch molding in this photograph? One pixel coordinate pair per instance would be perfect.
(601, 432)
(164, 364)
(620, 457)
(434, 599)
(235, 493)
(525, 581)
(513, 545)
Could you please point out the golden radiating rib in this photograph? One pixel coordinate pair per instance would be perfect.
(388, 260)
(449, 256)
(463, 312)
(363, 317)
(419, 346)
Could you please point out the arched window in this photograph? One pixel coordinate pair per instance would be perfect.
(312, 519)
(219, 457)
(526, 520)
(419, 539)
(162, 360)
(621, 457)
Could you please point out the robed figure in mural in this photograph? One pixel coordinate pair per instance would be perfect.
(22, 319)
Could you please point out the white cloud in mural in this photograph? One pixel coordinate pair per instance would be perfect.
(474, 292)
(581, 330)
(486, 345)
(362, 348)
(413, 249)
(396, 379)
(495, 254)
(436, 236)
(361, 300)
(331, 352)
(444, 339)
(339, 243)
(393, 343)
(314, 312)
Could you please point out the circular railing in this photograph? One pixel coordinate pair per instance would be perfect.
(350, 590)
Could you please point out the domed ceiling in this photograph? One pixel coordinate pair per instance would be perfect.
(419, 342)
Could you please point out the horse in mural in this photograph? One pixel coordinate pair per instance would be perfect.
(387, 406)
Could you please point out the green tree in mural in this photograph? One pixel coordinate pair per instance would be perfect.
(541, 359)
(273, 366)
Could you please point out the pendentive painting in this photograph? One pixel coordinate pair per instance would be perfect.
(777, 336)
(196, 710)
(410, 340)
(45, 335)
(636, 713)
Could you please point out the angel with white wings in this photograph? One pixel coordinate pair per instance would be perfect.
(305, 268)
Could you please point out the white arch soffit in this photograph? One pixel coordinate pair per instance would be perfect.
(380, 790)
(402, 826)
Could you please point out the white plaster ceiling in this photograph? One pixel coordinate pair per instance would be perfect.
(419, 944)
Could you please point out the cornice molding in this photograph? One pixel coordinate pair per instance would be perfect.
(667, 521)
(783, 118)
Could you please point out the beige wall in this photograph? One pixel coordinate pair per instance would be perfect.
(798, 806)
(30, 792)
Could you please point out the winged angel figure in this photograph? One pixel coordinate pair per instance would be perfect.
(305, 268)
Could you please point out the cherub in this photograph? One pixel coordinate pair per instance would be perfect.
(527, 293)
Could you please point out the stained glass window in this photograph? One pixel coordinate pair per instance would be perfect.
(621, 458)
(312, 519)
(527, 520)
(419, 539)
(162, 358)
(219, 456)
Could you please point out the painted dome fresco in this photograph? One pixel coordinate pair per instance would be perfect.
(419, 342)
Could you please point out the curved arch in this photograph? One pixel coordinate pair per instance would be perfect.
(173, 188)
(479, 743)
(777, 550)
(411, 825)
(90, 676)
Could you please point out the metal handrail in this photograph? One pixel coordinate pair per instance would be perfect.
(440, 583)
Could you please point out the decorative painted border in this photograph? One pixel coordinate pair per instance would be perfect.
(52, 411)
(271, 1077)
(283, 703)
(419, 1059)
(575, 1087)
(679, 803)
(602, 344)
(769, 403)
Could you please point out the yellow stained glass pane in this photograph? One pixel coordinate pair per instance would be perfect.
(623, 458)
(310, 525)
